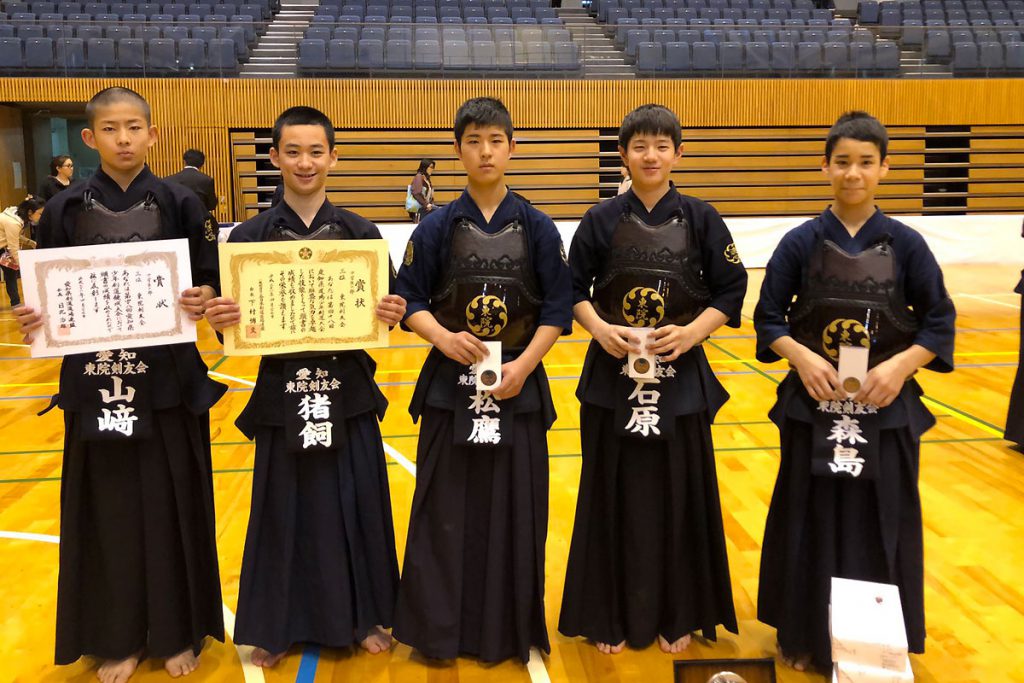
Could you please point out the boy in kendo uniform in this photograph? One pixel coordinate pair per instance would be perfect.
(648, 556)
(320, 564)
(138, 560)
(846, 501)
(487, 266)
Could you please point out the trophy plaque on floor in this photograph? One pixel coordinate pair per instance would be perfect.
(725, 671)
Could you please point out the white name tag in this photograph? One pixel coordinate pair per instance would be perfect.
(853, 368)
(642, 365)
(488, 371)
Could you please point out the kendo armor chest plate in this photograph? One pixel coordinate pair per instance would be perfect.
(96, 224)
(489, 288)
(852, 300)
(652, 276)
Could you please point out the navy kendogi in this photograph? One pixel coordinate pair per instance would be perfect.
(648, 553)
(319, 564)
(859, 518)
(138, 558)
(473, 575)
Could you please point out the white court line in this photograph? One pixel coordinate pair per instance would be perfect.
(407, 464)
(246, 382)
(251, 672)
(535, 667)
(990, 301)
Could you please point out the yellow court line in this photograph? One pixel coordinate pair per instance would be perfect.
(963, 417)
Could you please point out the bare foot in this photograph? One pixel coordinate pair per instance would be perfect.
(798, 662)
(263, 658)
(118, 670)
(607, 649)
(676, 646)
(376, 641)
(182, 664)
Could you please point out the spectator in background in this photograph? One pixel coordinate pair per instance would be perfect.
(421, 191)
(61, 169)
(195, 180)
(14, 227)
(627, 181)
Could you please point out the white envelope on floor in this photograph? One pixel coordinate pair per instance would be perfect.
(866, 623)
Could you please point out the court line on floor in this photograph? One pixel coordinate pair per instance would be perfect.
(251, 672)
(990, 301)
(232, 378)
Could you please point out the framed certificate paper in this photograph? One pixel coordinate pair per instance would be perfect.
(108, 296)
(305, 295)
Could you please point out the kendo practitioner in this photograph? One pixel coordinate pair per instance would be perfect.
(846, 502)
(138, 560)
(319, 564)
(1015, 413)
(648, 556)
(488, 267)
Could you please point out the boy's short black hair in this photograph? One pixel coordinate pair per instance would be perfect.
(303, 116)
(650, 119)
(194, 157)
(482, 111)
(857, 125)
(113, 95)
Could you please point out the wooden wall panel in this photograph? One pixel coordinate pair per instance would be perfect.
(12, 151)
(201, 112)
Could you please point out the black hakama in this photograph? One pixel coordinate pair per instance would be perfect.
(138, 557)
(473, 576)
(820, 527)
(319, 564)
(648, 553)
(1015, 413)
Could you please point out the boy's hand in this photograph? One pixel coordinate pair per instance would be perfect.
(819, 377)
(193, 301)
(391, 309)
(29, 320)
(883, 384)
(513, 375)
(616, 340)
(222, 312)
(671, 341)
(461, 347)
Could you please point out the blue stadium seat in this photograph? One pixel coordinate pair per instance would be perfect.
(484, 55)
(677, 57)
(758, 57)
(398, 53)
(100, 55)
(650, 58)
(131, 55)
(312, 54)
(192, 55)
(69, 54)
(341, 54)
(704, 57)
(39, 53)
(220, 56)
(455, 54)
(161, 56)
(835, 56)
(887, 57)
(427, 54)
(11, 57)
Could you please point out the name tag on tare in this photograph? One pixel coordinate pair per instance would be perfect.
(642, 365)
(853, 368)
(488, 371)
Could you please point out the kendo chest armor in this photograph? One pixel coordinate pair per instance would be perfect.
(853, 300)
(652, 276)
(96, 224)
(489, 288)
(327, 231)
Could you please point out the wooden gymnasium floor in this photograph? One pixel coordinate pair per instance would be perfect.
(972, 487)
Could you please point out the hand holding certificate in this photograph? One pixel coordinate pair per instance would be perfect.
(101, 297)
(305, 295)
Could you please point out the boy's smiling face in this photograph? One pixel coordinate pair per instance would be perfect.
(485, 151)
(121, 135)
(854, 170)
(304, 157)
(650, 158)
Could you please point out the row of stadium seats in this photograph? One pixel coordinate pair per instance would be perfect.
(873, 12)
(469, 34)
(259, 9)
(637, 36)
(430, 11)
(319, 56)
(597, 6)
(431, 20)
(159, 56)
(713, 13)
(243, 32)
(988, 59)
(761, 58)
(620, 28)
